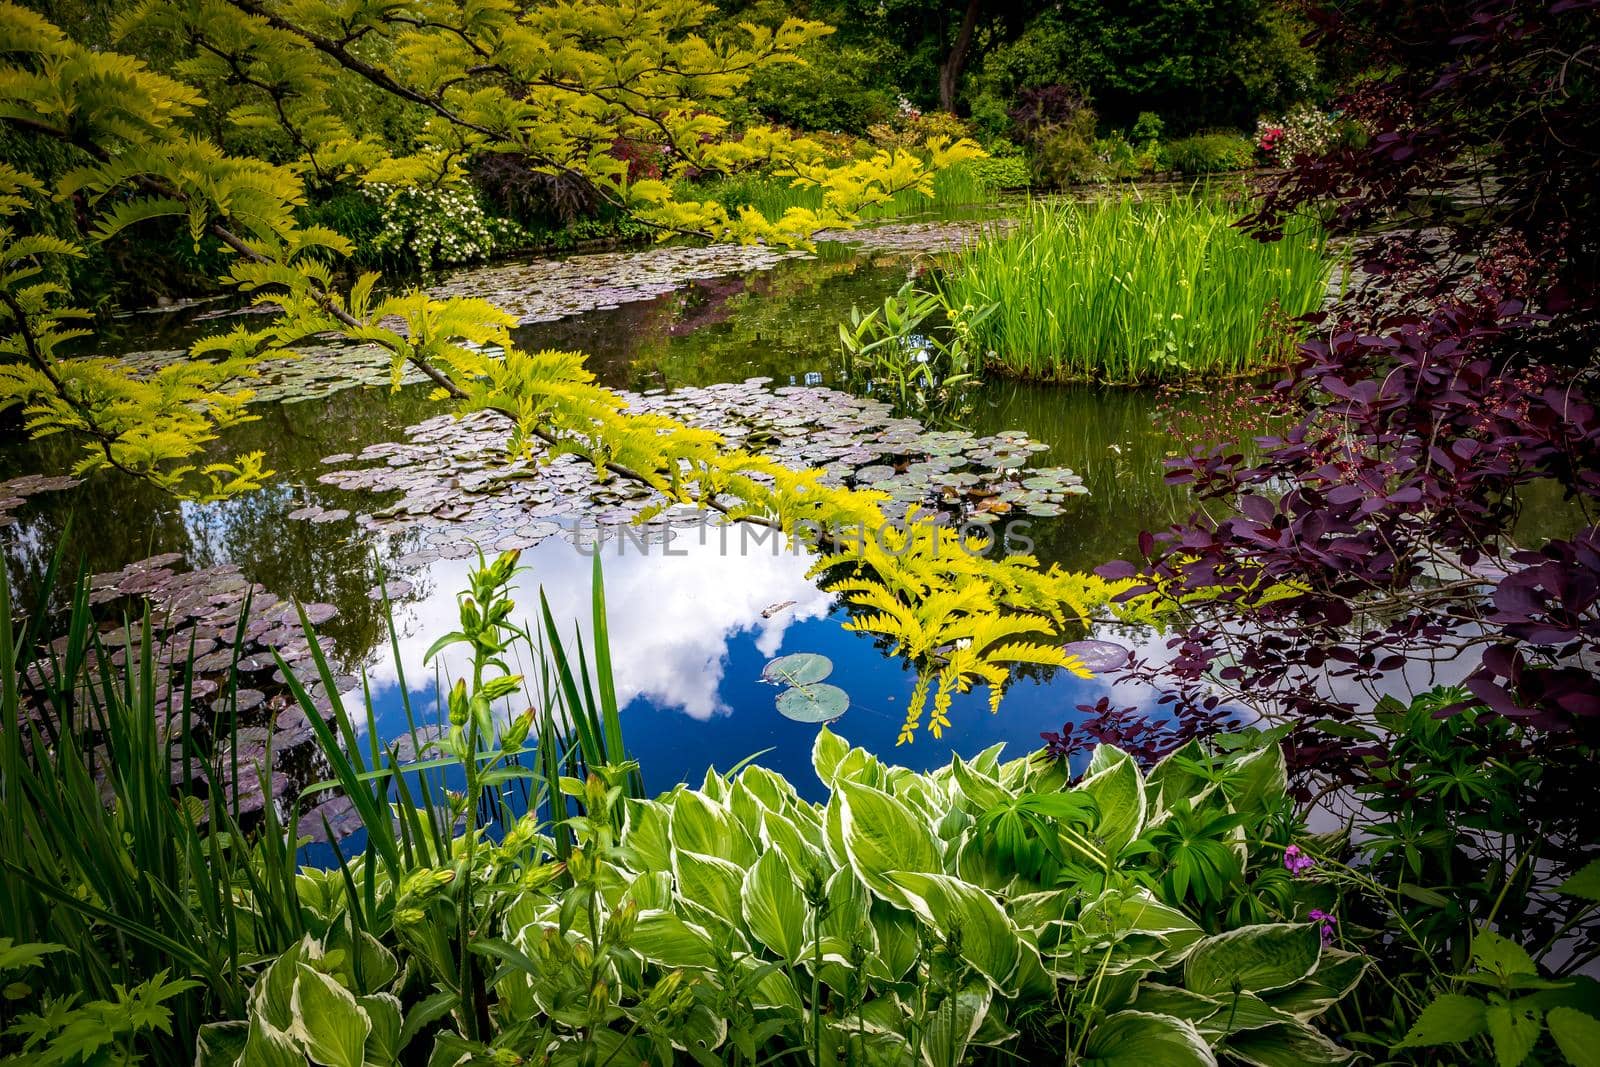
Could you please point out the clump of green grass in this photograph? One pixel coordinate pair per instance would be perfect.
(1125, 291)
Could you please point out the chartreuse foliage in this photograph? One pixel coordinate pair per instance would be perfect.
(559, 84)
(896, 923)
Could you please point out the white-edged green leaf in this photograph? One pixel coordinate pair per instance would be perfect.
(961, 912)
(664, 938)
(709, 882)
(1285, 1045)
(1118, 791)
(774, 905)
(881, 834)
(826, 753)
(328, 1021)
(1257, 958)
(953, 1024)
(1142, 1039)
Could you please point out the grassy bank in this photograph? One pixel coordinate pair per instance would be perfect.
(1129, 291)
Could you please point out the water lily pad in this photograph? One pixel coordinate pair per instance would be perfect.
(801, 668)
(813, 703)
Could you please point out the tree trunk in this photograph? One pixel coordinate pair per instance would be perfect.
(950, 69)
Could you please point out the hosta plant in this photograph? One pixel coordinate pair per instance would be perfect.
(985, 910)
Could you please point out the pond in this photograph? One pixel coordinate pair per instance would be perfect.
(693, 619)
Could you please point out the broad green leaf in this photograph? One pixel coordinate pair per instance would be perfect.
(1243, 1013)
(962, 912)
(774, 989)
(1336, 975)
(647, 832)
(848, 904)
(1499, 955)
(780, 832)
(1585, 884)
(220, 1044)
(1170, 780)
(664, 938)
(700, 824)
(1141, 1039)
(980, 791)
(1285, 1045)
(1259, 780)
(1118, 792)
(267, 1046)
(1128, 930)
(1257, 959)
(1515, 1029)
(328, 1020)
(1577, 1035)
(772, 790)
(1159, 999)
(272, 997)
(774, 906)
(896, 934)
(826, 753)
(953, 1025)
(383, 1044)
(709, 882)
(881, 834)
(1449, 1019)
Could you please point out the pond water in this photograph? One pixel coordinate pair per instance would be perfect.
(692, 621)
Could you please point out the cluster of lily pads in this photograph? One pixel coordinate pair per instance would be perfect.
(301, 374)
(202, 635)
(457, 488)
(16, 491)
(544, 290)
(805, 695)
(912, 238)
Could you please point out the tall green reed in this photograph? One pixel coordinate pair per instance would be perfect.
(116, 847)
(1128, 291)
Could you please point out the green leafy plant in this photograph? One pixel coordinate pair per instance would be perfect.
(1472, 879)
(902, 349)
(1209, 153)
(1511, 1007)
(737, 923)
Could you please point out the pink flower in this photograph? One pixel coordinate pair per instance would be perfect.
(1326, 922)
(1297, 862)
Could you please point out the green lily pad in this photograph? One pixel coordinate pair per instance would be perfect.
(813, 703)
(799, 669)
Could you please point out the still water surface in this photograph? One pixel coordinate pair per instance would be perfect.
(691, 623)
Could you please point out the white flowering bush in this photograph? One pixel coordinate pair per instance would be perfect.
(1305, 131)
(434, 227)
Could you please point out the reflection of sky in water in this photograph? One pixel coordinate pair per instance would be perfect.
(689, 641)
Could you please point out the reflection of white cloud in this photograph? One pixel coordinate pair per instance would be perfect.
(671, 615)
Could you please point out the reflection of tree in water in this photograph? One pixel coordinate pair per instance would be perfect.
(779, 323)
(1117, 441)
(111, 521)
